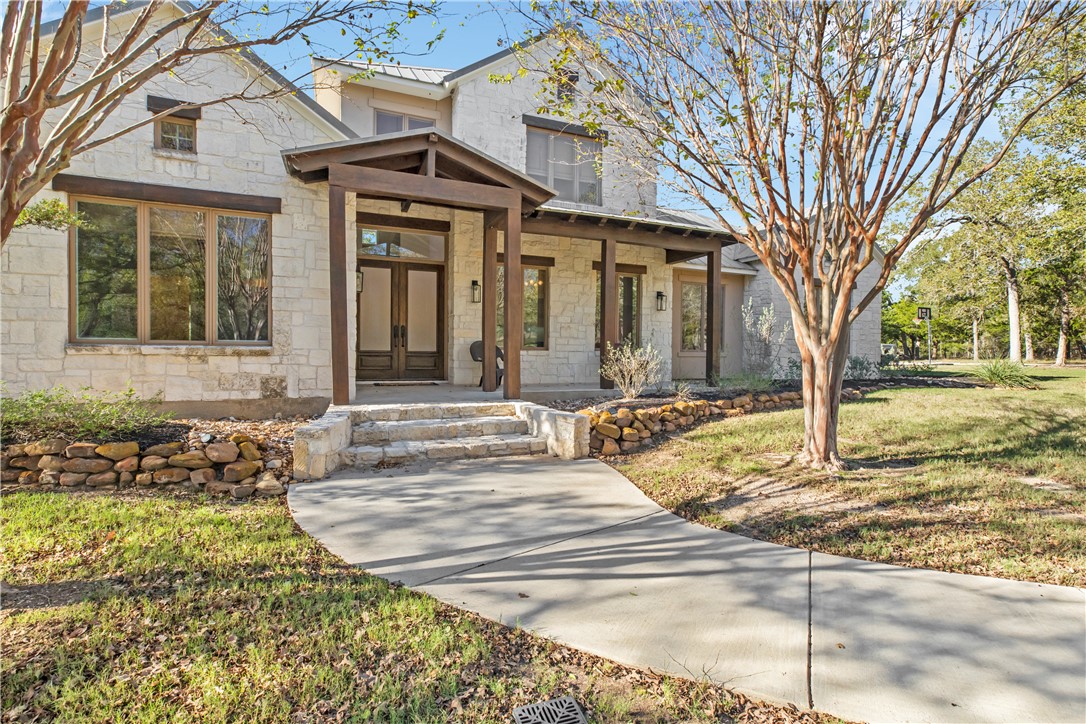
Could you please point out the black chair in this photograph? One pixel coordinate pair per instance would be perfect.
(477, 356)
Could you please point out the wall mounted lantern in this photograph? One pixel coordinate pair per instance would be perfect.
(476, 292)
(661, 302)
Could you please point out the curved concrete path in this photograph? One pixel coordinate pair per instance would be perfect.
(574, 551)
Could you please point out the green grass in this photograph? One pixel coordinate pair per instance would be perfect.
(942, 480)
(181, 608)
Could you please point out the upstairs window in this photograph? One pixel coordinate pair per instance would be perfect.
(386, 122)
(176, 131)
(567, 163)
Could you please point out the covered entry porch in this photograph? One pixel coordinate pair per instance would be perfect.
(408, 181)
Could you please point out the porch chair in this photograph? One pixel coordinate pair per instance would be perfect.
(477, 356)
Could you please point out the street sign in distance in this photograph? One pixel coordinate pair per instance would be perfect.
(923, 313)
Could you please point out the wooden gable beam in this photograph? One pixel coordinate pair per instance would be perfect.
(424, 189)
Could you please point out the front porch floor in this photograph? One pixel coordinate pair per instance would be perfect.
(383, 393)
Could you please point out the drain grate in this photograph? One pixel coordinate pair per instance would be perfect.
(564, 710)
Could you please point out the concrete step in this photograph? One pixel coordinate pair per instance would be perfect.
(482, 446)
(383, 433)
(431, 411)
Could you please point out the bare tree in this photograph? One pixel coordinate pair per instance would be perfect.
(60, 89)
(802, 125)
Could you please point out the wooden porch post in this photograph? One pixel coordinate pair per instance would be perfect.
(337, 293)
(490, 302)
(714, 316)
(514, 303)
(608, 304)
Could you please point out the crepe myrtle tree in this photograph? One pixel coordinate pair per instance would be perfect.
(801, 126)
(62, 81)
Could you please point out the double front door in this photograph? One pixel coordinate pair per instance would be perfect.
(400, 320)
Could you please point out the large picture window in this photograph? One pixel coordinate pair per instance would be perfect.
(566, 163)
(150, 273)
(535, 307)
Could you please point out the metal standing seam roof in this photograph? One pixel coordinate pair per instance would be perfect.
(419, 73)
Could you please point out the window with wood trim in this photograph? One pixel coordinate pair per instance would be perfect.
(175, 134)
(536, 293)
(389, 122)
(567, 163)
(161, 274)
(629, 307)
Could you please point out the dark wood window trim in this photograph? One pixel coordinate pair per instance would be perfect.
(624, 268)
(391, 221)
(553, 124)
(157, 104)
(162, 194)
(528, 260)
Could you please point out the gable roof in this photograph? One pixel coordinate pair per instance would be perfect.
(97, 14)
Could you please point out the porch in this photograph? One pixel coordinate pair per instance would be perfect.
(384, 393)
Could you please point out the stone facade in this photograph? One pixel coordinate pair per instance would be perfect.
(232, 157)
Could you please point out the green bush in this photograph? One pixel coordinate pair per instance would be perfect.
(82, 415)
(1004, 373)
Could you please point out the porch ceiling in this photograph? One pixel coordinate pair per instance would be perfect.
(424, 152)
(682, 241)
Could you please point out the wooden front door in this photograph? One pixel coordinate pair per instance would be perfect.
(401, 312)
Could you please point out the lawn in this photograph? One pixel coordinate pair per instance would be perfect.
(151, 607)
(983, 481)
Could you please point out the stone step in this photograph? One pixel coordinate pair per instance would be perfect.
(431, 411)
(483, 446)
(383, 433)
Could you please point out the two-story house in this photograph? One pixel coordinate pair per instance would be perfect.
(273, 257)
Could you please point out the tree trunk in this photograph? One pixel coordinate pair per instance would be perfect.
(1013, 315)
(1065, 327)
(1027, 336)
(823, 374)
(976, 339)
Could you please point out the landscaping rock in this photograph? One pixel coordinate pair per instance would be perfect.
(274, 464)
(152, 463)
(238, 471)
(10, 475)
(81, 450)
(218, 487)
(249, 451)
(71, 479)
(118, 450)
(222, 452)
(191, 460)
(741, 401)
(87, 465)
(269, 487)
(237, 438)
(203, 476)
(629, 445)
(52, 463)
(126, 478)
(610, 447)
(25, 462)
(171, 475)
(29, 477)
(49, 477)
(145, 479)
(128, 465)
(165, 450)
(630, 434)
(242, 491)
(52, 446)
(606, 429)
(109, 478)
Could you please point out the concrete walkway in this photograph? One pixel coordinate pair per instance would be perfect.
(575, 552)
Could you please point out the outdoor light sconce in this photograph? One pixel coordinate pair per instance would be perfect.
(476, 292)
(661, 302)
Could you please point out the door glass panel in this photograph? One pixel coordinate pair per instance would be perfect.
(105, 258)
(400, 245)
(178, 267)
(693, 316)
(375, 309)
(421, 311)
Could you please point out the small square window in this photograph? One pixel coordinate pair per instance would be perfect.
(176, 134)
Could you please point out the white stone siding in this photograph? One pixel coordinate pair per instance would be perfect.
(356, 104)
(232, 157)
(489, 116)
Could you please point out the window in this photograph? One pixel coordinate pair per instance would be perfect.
(535, 307)
(692, 299)
(386, 122)
(176, 134)
(401, 245)
(567, 85)
(170, 274)
(566, 163)
(629, 308)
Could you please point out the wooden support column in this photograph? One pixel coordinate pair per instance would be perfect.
(514, 303)
(608, 304)
(490, 303)
(337, 293)
(714, 323)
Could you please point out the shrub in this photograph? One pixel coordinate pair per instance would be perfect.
(763, 343)
(632, 368)
(861, 368)
(684, 391)
(1004, 373)
(86, 415)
